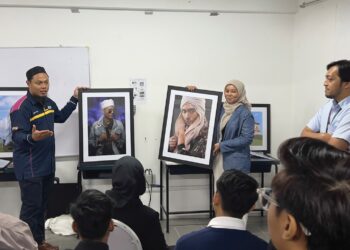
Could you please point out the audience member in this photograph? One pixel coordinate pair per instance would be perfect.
(332, 122)
(310, 204)
(129, 183)
(92, 215)
(235, 196)
(15, 234)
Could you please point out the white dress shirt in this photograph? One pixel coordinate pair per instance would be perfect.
(227, 222)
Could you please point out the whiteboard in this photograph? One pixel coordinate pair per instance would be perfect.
(67, 68)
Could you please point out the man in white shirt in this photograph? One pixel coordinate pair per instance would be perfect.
(331, 123)
(235, 196)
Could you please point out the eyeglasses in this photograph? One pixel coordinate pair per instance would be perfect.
(265, 199)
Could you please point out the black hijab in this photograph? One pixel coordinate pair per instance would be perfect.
(128, 181)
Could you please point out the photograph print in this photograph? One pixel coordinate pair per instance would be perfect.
(106, 122)
(261, 140)
(8, 97)
(188, 126)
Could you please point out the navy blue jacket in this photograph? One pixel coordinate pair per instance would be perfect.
(236, 140)
(220, 239)
(35, 158)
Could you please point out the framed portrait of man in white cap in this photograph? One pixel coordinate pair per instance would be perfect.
(188, 126)
(106, 125)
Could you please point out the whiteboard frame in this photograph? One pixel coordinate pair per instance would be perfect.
(67, 68)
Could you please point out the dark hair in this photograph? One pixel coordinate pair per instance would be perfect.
(343, 69)
(92, 213)
(315, 189)
(238, 192)
(33, 71)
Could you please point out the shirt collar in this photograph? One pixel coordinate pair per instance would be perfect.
(343, 102)
(227, 222)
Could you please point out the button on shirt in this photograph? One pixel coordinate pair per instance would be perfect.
(333, 118)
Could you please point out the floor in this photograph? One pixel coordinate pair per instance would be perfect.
(177, 227)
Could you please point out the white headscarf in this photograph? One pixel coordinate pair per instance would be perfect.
(107, 103)
(193, 130)
(230, 108)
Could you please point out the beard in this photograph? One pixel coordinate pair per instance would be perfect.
(40, 99)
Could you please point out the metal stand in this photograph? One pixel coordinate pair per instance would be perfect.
(181, 170)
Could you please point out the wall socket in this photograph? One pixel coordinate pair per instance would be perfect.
(150, 177)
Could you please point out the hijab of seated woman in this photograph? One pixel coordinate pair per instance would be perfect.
(128, 183)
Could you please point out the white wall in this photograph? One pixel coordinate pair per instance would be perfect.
(322, 35)
(170, 48)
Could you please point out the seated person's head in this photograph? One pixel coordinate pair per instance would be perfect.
(236, 194)
(128, 181)
(311, 207)
(92, 215)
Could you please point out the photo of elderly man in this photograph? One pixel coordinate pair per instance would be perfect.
(107, 134)
(190, 129)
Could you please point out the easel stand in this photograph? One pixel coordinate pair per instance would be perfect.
(262, 166)
(93, 172)
(168, 168)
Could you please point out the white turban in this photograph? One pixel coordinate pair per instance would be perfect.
(194, 129)
(107, 103)
(197, 103)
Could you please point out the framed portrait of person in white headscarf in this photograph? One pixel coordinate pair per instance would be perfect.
(189, 126)
(106, 125)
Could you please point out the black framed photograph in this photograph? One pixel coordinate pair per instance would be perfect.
(262, 128)
(106, 125)
(8, 98)
(189, 126)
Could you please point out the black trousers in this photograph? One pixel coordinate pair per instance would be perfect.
(34, 196)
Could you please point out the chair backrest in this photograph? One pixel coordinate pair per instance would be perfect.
(123, 238)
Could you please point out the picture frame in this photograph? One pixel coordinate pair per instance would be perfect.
(101, 140)
(8, 97)
(262, 128)
(188, 139)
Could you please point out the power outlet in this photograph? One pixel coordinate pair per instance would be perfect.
(150, 178)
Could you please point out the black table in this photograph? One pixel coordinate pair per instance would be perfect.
(93, 172)
(181, 169)
(262, 166)
(7, 173)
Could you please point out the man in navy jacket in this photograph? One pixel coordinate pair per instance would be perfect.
(236, 195)
(32, 121)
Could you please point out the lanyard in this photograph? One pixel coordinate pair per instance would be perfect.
(329, 121)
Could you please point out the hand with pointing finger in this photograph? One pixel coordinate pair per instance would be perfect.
(38, 135)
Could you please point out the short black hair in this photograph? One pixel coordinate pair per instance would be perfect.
(315, 188)
(343, 69)
(238, 192)
(92, 213)
(33, 71)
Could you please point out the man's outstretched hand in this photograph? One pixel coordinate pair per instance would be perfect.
(38, 135)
